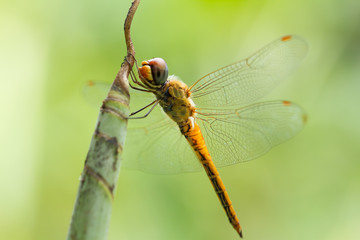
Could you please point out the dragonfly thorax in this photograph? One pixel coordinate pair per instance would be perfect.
(175, 100)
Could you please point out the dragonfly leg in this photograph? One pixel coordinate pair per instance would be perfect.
(139, 74)
(139, 89)
(133, 113)
(137, 67)
(136, 64)
(134, 79)
(132, 75)
(154, 103)
(135, 61)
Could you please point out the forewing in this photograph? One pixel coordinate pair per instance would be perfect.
(248, 80)
(246, 133)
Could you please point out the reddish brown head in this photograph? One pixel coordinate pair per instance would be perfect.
(154, 71)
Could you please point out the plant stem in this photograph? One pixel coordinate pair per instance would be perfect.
(92, 211)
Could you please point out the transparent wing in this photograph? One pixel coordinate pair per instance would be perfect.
(158, 147)
(153, 144)
(95, 92)
(246, 81)
(242, 134)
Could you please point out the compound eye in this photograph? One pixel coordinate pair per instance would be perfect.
(159, 70)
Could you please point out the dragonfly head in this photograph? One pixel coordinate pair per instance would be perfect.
(154, 72)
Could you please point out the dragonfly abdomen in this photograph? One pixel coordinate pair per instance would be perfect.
(193, 135)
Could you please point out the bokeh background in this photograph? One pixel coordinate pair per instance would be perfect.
(307, 188)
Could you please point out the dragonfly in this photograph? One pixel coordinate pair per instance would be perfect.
(219, 116)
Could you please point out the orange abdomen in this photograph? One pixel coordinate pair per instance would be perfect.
(195, 138)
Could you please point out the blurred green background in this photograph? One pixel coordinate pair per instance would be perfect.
(306, 188)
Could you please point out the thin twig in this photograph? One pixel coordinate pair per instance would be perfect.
(121, 79)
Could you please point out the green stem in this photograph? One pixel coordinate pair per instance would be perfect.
(92, 211)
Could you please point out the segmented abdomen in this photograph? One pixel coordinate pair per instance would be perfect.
(193, 135)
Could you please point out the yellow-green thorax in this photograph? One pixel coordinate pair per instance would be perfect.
(174, 98)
